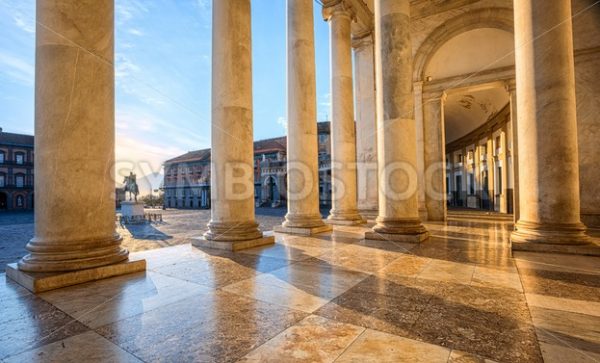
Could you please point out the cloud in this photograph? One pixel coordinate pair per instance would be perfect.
(22, 14)
(127, 10)
(136, 32)
(326, 100)
(203, 4)
(17, 69)
(283, 122)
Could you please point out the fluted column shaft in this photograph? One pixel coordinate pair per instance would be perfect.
(548, 168)
(396, 127)
(343, 134)
(366, 125)
(302, 148)
(232, 156)
(74, 139)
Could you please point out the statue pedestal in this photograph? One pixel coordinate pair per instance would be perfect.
(132, 210)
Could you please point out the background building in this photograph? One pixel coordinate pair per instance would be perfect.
(187, 177)
(16, 171)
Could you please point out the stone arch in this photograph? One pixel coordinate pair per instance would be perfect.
(498, 18)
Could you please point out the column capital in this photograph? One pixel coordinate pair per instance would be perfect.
(333, 8)
(434, 96)
(510, 86)
(363, 40)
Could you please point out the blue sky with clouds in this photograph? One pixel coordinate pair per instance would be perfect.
(163, 75)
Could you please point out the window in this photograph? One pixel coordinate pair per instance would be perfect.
(2, 181)
(1, 157)
(19, 181)
(19, 158)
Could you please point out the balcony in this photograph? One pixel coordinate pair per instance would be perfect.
(14, 186)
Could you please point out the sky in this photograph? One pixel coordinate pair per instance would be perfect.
(163, 76)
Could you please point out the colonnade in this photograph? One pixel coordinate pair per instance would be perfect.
(74, 124)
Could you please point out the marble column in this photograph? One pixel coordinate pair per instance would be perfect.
(366, 125)
(398, 218)
(418, 91)
(512, 90)
(344, 209)
(232, 225)
(75, 239)
(434, 156)
(502, 158)
(303, 215)
(549, 169)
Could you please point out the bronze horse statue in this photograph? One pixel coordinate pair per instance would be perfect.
(131, 186)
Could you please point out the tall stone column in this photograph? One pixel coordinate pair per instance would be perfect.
(503, 177)
(75, 239)
(434, 156)
(343, 134)
(398, 218)
(418, 91)
(366, 125)
(549, 168)
(512, 90)
(303, 215)
(232, 225)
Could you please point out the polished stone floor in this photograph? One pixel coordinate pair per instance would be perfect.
(459, 297)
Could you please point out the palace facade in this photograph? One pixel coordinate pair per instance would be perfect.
(16, 172)
(187, 177)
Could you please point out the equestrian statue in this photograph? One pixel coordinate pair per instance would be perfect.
(131, 186)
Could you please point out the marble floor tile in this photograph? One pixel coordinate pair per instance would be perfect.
(28, 322)
(221, 268)
(86, 347)
(289, 252)
(379, 304)
(169, 255)
(496, 277)
(556, 262)
(571, 285)
(270, 289)
(404, 266)
(479, 320)
(360, 258)
(218, 327)
(570, 329)
(106, 301)
(591, 308)
(457, 356)
(439, 270)
(556, 353)
(304, 286)
(377, 347)
(314, 339)
(10, 290)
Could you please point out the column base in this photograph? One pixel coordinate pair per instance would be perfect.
(369, 214)
(397, 237)
(584, 250)
(44, 281)
(303, 231)
(233, 246)
(345, 218)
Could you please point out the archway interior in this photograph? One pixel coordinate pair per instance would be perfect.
(477, 165)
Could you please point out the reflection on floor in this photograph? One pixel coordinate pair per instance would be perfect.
(459, 297)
